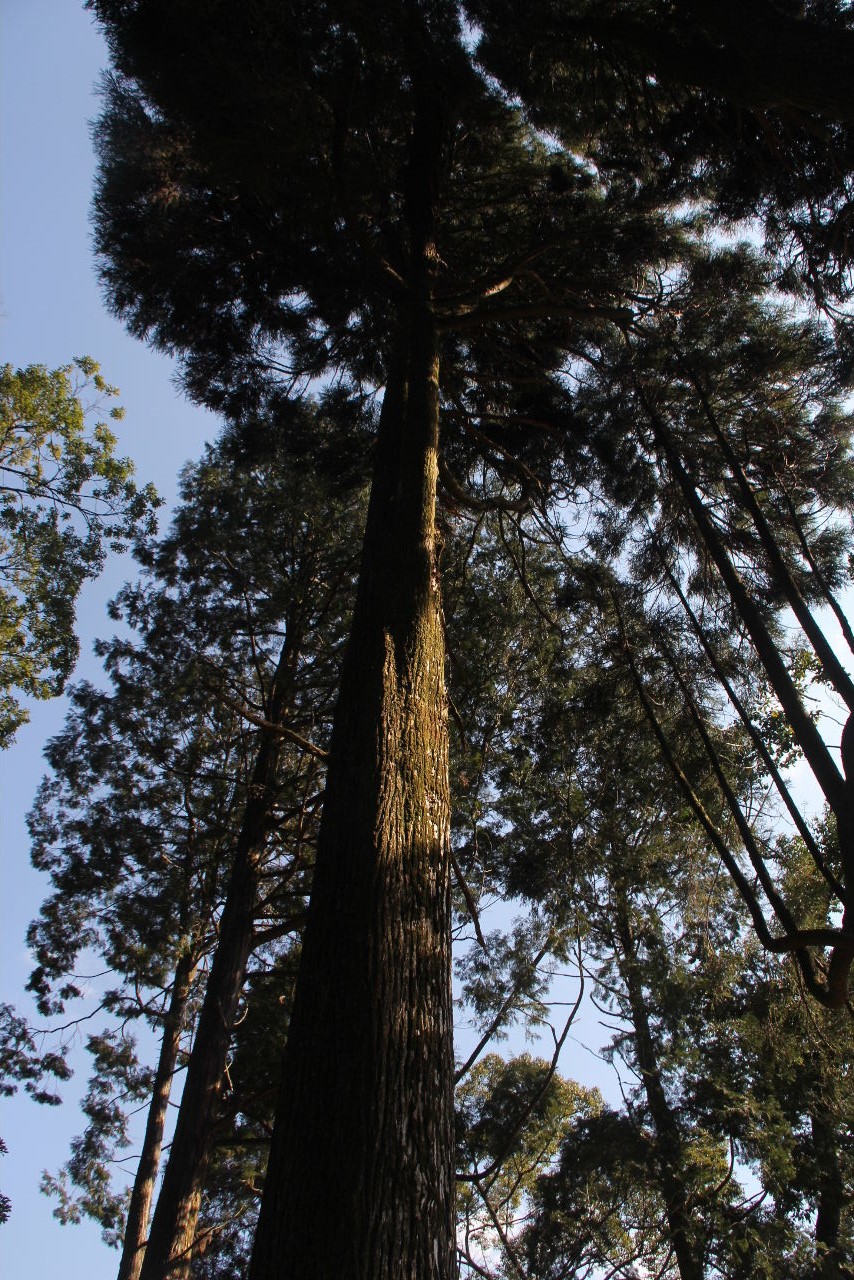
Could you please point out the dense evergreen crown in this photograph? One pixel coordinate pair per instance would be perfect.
(545, 190)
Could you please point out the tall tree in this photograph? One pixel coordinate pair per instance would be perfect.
(735, 380)
(218, 769)
(397, 220)
(295, 658)
(408, 262)
(609, 840)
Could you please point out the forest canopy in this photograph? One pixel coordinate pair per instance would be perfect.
(483, 643)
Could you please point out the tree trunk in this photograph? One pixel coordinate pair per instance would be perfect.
(804, 830)
(139, 1209)
(807, 735)
(170, 1245)
(838, 790)
(668, 1140)
(833, 669)
(360, 1180)
(831, 1196)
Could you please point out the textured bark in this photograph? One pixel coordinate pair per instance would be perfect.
(170, 1246)
(139, 1209)
(360, 1181)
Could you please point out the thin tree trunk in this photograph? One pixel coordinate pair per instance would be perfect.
(838, 791)
(668, 1139)
(139, 1209)
(797, 942)
(755, 736)
(831, 1196)
(819, 758)
(170, 1245)
(838, 612)
(833, 668)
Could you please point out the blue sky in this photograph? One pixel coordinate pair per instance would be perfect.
(51, 56)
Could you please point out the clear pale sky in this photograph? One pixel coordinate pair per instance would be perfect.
(51, 55)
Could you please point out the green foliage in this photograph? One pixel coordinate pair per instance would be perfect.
(580, 815)
(5, 1202)
(151, 778)
(65, 499)
(738, 106)
(25, 1061)
(511, 1117)
(84, 1185)
(596, 337)
(598, 1208)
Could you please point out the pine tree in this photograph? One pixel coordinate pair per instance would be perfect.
(161, 795)
(398, 221)
(740, 107)
(734, 379)
(309, 540)
(608, 840)
(403, 264)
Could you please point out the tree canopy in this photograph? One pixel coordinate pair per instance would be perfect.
(65, 498)
(572, 285)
